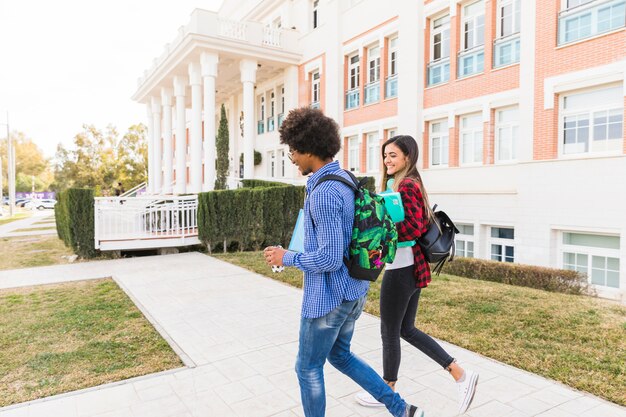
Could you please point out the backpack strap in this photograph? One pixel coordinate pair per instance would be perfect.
(332, 177)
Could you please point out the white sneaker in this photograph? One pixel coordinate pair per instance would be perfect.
(467, 389)
(366, 400)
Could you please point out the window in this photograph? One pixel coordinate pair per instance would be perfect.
(353, 154)
(472, 139)
(270, 119)
(261, 122)
(272, 104)
(596, 256)
(391, 86)
(277, 23)
(352, 96)
(440, 38)
(282, 100)
(391, 133)
(579, 20)
(372, 89)
(592, 121)
(315, 87)
(502, 245)
(465, 240)
(283, 162)
(507, 134)
(393, 56)
(315, 14)
(509, 12)
(473, 25)
(439, 143)
(373, 152)
(272, 165)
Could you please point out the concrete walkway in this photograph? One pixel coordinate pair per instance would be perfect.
(237, 331)
(47, 216)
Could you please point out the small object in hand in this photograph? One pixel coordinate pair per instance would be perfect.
(276, 268)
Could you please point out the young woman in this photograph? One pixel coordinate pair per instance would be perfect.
(408, 274)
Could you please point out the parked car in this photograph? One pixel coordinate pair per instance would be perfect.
(46, 203)
(21, 202)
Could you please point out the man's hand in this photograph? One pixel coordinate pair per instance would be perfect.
(274, 255)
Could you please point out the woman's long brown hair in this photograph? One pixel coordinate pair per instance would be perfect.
(409, 148)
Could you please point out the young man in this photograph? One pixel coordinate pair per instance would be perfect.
(333, 300)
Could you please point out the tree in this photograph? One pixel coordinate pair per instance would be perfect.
(222, 151)
(100, 160)
(29, 162)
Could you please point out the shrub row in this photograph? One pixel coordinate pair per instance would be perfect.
(549, 279)
(250, 217)
(74, 214)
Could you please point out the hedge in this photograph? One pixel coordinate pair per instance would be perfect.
(548, 279)
(74, 214)
(260, 215)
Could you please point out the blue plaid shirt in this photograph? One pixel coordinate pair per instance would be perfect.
(328, 220)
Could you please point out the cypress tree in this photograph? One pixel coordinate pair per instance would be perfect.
(222, 151)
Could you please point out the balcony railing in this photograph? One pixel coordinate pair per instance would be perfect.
(372, 92)
(506, 50)
(270, 124)
(281, 117)
(352, 99)
(391, 86)
(315, 105)
(439, 71)
(591, 19)
(260, 127)
(471, 61)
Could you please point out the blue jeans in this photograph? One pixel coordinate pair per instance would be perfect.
(328, 337)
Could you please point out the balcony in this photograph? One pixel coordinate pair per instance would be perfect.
(260, 127)
(391, 86)
(439, 71)
(315, 105)
(506, 50)
(591, 19)
(471, 61)
(352, 99)
(281, 117)
(372, 92)
(270, 124)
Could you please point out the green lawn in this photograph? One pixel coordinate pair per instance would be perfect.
(35, 229)
(64, 337)
(577, 340)
(30, 251)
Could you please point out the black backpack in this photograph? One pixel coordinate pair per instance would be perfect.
(437, 243)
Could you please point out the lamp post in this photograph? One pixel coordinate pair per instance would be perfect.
(10, 169)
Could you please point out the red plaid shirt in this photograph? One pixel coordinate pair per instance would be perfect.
(413, 226)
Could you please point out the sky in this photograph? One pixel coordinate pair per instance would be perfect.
(66, 63)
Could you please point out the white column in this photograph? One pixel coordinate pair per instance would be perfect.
(410, 103)
(150, 147)
(209, 62)
(527, 82)
(248, 67)
(181, 136)
(157, 153)
(195, 132)
(166, 99)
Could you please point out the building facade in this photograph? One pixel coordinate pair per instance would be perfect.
(517, 107)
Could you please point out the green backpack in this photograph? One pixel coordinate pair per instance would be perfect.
(374, 235)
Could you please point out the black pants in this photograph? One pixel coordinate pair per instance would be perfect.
(398, 307)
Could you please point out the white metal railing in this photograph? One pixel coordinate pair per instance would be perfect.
(232, 29)
(145, 217)
(271, 36)
(135, 190)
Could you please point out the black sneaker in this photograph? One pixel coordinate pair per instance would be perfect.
(413, 411)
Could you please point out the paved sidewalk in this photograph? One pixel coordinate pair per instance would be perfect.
(237, 331)
(9, 229)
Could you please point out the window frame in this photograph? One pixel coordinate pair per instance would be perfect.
(376, 64)
(462, 131)
(392, 56)
(316, 87)
(590, 112)
(375, 146)
(353, 146)
(315, 23)
(516, 21)
(590, 252)
(445, 132)
(465, 238)
(434, 32)
(465, 19)
(356, 66)
(503, 242)
(514, 140)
